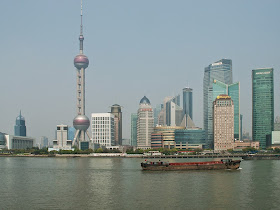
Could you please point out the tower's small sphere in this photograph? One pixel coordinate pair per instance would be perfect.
(81, 122)
(81, 61)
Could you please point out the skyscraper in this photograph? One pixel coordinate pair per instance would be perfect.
(262, 105)
(117, 112)
(145, 124)
(174, 114)
(134, 129)
(233, 90)
(103, 129)
(223, 121)
(188, 102)
(71, 133)
(220, 70)
(157, 111)
(81, 121)
(20, 128)
(44, 142)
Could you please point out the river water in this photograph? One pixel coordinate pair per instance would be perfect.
(119, 183)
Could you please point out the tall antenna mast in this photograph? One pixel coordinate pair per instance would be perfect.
(81, 32)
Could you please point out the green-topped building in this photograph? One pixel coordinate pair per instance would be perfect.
(262, 105)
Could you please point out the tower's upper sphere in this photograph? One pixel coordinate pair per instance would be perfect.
(81, 122)
(81, 61)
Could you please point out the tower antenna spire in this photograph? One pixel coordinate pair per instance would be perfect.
(81, 17)
(81, 38)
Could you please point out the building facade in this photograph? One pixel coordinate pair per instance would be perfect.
(188, 102)
(18, 142)
(44, 142)
(277, 124)
(134, 129)
(62, 142)
(20, 128)
(157, 111)
(71, 133)
(116, 110)
(103, 129)
(220, 70)
(145, 124)
(184, 138)
(262, 105)
(164, 136)
(233, 90)
(223, 120)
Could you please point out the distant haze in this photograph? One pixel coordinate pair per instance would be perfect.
(135, 48)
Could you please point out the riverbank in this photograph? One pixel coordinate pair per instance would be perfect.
(124, 155)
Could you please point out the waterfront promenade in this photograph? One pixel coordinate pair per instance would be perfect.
(124, 155)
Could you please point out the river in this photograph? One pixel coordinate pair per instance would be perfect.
(119, 183)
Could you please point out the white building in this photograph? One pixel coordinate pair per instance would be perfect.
(62, 142)
(145, 124)
(103, 129)
(18, 142)
(275, 138)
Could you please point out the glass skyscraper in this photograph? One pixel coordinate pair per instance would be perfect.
(20, 128)
(156, 113)
(188, 103)
(233, 90)
(134, 129)
(222, 71)
(262, 105)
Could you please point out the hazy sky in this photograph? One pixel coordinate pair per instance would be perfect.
(136, 48)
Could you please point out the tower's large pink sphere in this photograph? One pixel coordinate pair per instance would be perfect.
(81, 122)
(81, 61)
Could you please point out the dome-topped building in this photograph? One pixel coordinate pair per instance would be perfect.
(145, 124)
(145, 100)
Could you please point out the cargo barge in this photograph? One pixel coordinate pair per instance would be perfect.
(209, 165)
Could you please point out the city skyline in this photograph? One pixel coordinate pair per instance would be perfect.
(164, 51)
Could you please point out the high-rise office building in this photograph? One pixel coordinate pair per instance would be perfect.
(157, 111)
(103, 129)
(134, 129)
(145, 124)
(220, 70)
(262, 105)
(62, 142)
(223, 121)
(174, 114)
(176, 100)
(241, 128)
(188, 102)
(116, 110)
(44, 142)
(233, 90)
(20, 128)
(71, 133)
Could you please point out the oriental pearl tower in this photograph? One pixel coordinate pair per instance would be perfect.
(81, 121)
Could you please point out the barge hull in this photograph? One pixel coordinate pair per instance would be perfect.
(217, 165)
